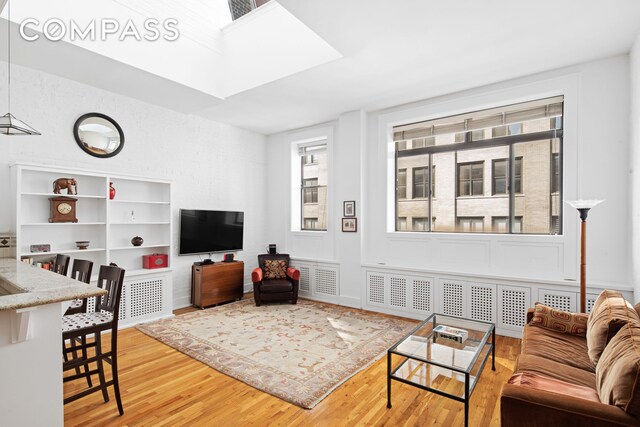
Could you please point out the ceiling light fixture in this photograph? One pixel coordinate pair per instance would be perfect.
(9, 125)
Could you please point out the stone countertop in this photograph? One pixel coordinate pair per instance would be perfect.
(23, 285)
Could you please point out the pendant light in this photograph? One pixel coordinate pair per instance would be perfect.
(9, 125)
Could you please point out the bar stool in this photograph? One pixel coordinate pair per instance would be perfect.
(76, 328)
(61, 264)
(81, 271)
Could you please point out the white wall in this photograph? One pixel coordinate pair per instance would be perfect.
(634, 171)
(596, 150)
(212, 165)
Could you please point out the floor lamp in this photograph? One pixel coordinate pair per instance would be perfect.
(583, 207)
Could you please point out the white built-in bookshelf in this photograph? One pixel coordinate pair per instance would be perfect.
(109, 225)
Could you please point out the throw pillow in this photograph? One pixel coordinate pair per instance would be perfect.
(275, 269)
(558, 320)
(618, 371)
(610, 313)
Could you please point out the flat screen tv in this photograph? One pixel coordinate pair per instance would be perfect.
(204, 232)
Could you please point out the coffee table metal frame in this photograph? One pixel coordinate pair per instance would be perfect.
(466, 372)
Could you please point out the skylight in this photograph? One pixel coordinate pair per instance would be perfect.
(239, 8)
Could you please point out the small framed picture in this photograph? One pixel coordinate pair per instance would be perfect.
(349, 225)
(350, 208)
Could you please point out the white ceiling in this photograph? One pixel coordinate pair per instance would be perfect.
(394, 52)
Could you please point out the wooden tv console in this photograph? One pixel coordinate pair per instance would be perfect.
(216, 283)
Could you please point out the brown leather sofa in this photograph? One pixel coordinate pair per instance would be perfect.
(275, 280)
(580, 376)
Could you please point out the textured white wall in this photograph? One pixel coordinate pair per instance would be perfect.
(212, 165)
(634, 164)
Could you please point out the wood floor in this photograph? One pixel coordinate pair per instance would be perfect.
(163, 387)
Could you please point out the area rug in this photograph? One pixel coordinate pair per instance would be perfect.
(299, 353)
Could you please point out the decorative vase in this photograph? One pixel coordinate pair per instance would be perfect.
(137, 241)
(112, 191)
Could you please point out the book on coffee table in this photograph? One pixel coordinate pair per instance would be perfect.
(450, 333)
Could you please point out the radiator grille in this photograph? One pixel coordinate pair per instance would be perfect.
(326, 282)
(376, 289)
(398, 292)
(453, 300)
(560, 302)
(422, 295)
(482, 303)
(514, 307)
(304, 279)
(146, 297)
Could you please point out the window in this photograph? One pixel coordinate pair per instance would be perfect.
(555, 224)
(464, 151)
(310, 159)
(517, 176)
(470, 179)
(310, 186)
(402, 184)
(555, 173)
(471, 225)
(402, 223)
(500, 224)
(419, 183)
(313, 186)
(500, 176)
(310, 223)
(419, 224)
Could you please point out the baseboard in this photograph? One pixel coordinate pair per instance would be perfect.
(350, 302)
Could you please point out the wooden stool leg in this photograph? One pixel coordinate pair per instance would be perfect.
(84, 356)
(114, 370)
(100, 362)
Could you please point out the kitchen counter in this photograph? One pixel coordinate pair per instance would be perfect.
(24, 286)
(32, 301)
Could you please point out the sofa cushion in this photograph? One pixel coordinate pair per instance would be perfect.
(553, 385)
(618, 371)
(557, 346)
(552, 369)
(610, 313)
(558, 320)
(275, 269)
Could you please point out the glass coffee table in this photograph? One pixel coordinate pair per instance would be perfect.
(444, 355)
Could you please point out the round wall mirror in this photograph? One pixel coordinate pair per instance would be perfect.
(98, 135)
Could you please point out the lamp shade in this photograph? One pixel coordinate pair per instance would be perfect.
(9, 125)
(584, 204)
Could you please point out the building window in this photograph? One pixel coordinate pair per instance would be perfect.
(500, 224)
(313, 186)
(517, 175)
(419, 183)
(402, 223)
(471, 224)
(310, 159)
(555, 224)
(419, 224)
(310, 188)
(555, 173)
(495, 144)
(402, 184)
(470, 179)
(310, 223)
(500, 176)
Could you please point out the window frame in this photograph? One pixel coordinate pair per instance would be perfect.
(471, 179)
(555, 133)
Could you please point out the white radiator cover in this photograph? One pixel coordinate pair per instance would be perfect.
(413, 294)
(319, 281)
(144, 298)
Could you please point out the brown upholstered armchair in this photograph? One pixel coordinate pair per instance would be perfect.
(274, 280)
